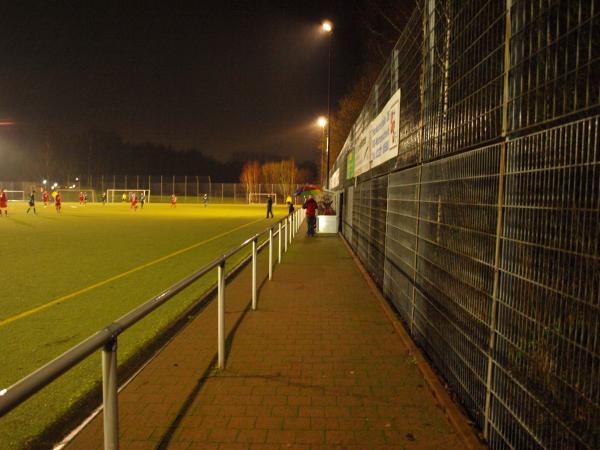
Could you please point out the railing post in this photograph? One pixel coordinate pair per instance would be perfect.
(279, 246)
(109, 395)
(285, 235)
(290, 222)
(270, 254)
(254, 273)
(221, 313)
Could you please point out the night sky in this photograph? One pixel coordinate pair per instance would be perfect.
(223, 77)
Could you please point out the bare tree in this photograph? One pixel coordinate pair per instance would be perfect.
(251, 176)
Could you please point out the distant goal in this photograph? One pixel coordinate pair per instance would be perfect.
(15, 196)
(116, 195)
(261, 198)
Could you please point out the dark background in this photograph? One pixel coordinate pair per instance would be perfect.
(232, 80)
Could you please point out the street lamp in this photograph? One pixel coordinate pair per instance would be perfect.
(322, 122)
(327, 27)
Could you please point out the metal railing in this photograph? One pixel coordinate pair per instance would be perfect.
(106, 338)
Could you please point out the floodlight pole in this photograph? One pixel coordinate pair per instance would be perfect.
(328, 110)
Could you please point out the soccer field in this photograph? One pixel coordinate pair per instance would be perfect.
(66, 276)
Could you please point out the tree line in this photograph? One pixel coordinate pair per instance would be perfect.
(283, 176)
(97, 152)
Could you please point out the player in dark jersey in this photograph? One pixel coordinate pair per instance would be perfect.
(32, 202)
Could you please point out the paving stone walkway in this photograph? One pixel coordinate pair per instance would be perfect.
(317, 366)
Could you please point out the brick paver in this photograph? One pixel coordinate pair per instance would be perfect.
(318, 365)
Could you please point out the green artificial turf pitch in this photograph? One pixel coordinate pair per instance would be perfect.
(108, 252)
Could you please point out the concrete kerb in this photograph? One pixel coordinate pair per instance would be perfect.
(456, 416)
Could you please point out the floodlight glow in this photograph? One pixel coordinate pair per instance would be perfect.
(44, 182)
(76, 178)
(327, 26)
(322, 122)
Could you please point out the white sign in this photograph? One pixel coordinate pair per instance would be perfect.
(362, 153)
(334, 180)
(384, 130)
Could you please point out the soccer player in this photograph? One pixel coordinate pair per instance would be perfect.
(103, 198)
(124, 197)
(58, 202)
(81, 198)
(134, 202)
(32, 202)
(84, 198)
(3, 202)
(205, 200)
(142, 199)
(269, 207)
(45, 198)
(173, 201)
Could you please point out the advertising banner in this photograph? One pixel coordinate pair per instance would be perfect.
(334, 179)
(362, 153)
(350, 164)
(383, 132)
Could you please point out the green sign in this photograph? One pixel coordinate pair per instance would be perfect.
(350, 164)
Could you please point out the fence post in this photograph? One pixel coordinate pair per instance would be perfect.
(161, 188)
(254, 273)
(234, 193)
(290, 226)
(285, 235)
(185, 188)
(197, 190)
(270, 254)
(109, 395)
(279, 247)
(221, 313)
(222, 193)
(173, 186)
(498, 249)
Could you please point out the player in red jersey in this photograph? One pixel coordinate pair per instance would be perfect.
(58, 202)
(3, 202)
(45, 198)
(81, 198)
(134, 201)
(173, 201)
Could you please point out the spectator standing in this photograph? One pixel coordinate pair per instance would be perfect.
(310, 205)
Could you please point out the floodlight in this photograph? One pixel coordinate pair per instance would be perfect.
(44, 182)
(327, 26)
(322, 122)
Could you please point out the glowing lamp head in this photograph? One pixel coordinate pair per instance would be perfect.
(327, 26)
(44, 182)
(322, 122)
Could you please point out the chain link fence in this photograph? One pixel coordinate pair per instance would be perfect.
(484, 231)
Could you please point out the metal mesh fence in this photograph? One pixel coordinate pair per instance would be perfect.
(484, 233)
(188, 189)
